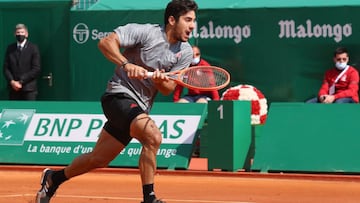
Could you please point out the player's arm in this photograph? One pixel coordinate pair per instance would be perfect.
(110, 48)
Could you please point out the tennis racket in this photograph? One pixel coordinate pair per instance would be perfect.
(203, 78)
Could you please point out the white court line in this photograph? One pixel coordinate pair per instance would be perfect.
(15, 195)
(122, 198)
(205, 201)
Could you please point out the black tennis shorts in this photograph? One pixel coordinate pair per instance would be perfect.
(119, 109)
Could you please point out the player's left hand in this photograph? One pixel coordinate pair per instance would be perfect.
(159, 76)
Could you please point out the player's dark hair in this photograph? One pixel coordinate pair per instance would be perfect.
(177, 8)
(340, 50)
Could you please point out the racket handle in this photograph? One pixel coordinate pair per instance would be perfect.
(150, 74)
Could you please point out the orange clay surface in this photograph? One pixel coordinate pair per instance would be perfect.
(18, 184)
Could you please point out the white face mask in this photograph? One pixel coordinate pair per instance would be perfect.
(195, 61)
(340, 66)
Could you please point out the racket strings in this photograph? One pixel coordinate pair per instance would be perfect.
(205, 77)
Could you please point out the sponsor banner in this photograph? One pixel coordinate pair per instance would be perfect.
(32, 136)
(248, 42)
(289, 29)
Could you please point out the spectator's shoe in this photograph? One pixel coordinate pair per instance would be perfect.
(47, 190)
(155, 201)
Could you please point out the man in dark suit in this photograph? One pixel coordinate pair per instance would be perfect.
(22, 66)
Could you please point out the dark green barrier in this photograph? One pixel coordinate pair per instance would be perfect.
(228, 134)
(309, 138)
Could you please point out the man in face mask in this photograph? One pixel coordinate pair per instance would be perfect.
(341, 83)
(22, 66)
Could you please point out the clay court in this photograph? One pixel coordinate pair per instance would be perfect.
(19, 184)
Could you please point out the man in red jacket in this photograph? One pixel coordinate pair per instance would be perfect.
(195, 95)
(341, 83)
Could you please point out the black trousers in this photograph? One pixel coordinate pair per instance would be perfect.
(23, 95)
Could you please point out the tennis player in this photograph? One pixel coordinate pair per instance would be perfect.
(130, 95)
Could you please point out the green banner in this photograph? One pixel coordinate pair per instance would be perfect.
(34, 133)
(282, 48)
(282, 51)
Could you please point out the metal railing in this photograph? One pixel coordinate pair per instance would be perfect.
(83, 4)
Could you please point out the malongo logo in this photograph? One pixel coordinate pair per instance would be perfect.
(212, 31)
(290, 29)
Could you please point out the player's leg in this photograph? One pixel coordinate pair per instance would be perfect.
(112, 140)
(143, 128)
(106, 149)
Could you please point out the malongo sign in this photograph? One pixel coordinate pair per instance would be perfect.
(292, 29)
(32, 136)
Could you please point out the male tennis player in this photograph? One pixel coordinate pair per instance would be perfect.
(130, 95)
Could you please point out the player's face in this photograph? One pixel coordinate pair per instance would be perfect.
(184, 26)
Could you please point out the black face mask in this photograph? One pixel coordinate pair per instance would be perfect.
(20, 38)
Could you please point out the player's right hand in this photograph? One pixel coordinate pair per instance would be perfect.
(134, 71)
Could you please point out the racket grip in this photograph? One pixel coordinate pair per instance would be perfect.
(150, 74)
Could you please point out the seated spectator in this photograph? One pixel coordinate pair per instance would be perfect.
(341, 83)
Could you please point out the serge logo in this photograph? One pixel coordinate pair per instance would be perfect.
(81, 33)
(13, 125)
